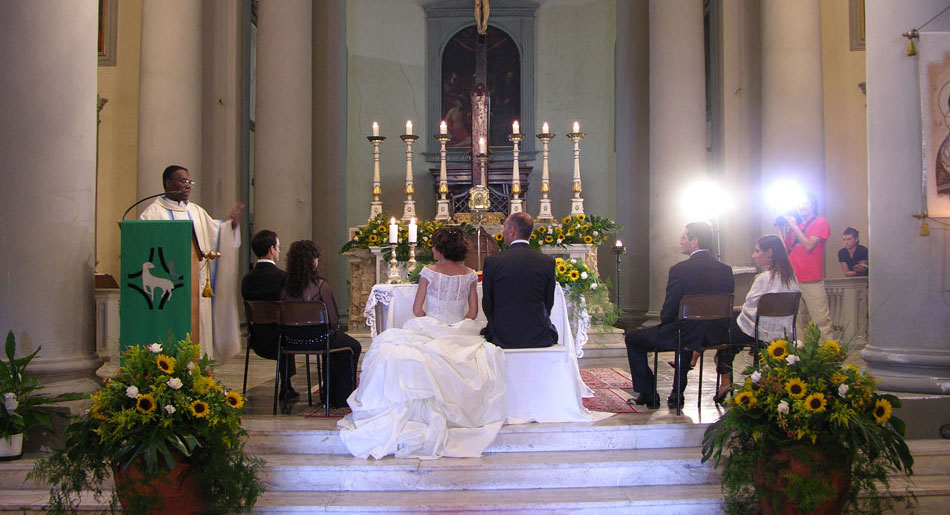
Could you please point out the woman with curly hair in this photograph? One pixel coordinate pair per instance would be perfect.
(433, 387)
(303, 283)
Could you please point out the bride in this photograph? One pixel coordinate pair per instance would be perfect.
(433, 387)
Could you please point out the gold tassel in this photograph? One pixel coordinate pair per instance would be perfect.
(911, 47)
(924, 228)
(207, 292)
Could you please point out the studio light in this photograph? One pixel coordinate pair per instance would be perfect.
(704, 200)
(784, 196)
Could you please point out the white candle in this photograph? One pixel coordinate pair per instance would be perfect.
(413, 231)
(577, 127)
(515, 127)
(481, 146)
(619, 244)
(375, 129)
(443, 128)
(408, 126)
(544, 128)
(393, 231)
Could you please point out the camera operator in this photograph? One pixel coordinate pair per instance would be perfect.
(805, 241)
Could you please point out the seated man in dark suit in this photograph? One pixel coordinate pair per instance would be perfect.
(518, 290)
(265, 282)
(701, 273)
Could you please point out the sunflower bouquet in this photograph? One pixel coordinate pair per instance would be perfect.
(163, 407)
(584, 289)
(802, 400)
(574, 229)
(375, 233)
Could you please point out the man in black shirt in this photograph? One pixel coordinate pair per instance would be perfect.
(853, 258)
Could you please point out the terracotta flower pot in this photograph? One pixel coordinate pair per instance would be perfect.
(179, 491)
(808, 462)
(11, 448)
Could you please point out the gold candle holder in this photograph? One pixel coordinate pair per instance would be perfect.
(409, 206)
(393, 268)
(544, 213)
(442, 205)
(412, 257)
(577, 203)
(376, 206)
(515, 205)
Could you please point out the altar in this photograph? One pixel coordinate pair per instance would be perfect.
(544, 384)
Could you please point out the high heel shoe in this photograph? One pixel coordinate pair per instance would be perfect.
(720, 397)
(672, 364)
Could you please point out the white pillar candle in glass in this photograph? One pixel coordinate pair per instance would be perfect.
(375, 129)
(577, 127)
(544, 128)
(443, 128)
(408, 126)
(481, 146)
(413, 231)
(515, 127)
(393, 231)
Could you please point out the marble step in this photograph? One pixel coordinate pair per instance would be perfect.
(273, 436)
(564, 469)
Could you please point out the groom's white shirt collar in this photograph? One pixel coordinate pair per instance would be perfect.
(263, 260)
(519, 241)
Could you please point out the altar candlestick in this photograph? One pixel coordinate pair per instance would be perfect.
(619, 244)
(545, 128)
(442, 205)
(577, 203)
(413, 231)
(409, 205)
(408, 126)
(393, 231)
(375, 129)
(544, 213)
(515, 127)
(443, 128)
(577, 127)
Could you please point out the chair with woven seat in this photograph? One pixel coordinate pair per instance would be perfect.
(784, 304)
(306, 329)
(261, 315)
(702, 307)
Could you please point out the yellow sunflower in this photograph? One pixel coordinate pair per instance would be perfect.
(832, 346)
(199, 409)
(796, 388)
(534, 236)
(145, 404)
(574, 275)
(816, 402)
(588, 239)
(541, 229)
(548, 238)
(746, 399)
(373, 238)
(165, 363)
(203, 384)
(429, 243)
(838, 378)
(382, 229)
(562, 268)
(778, 349)
(558, 260)
(570, 232)
(566, 220)
(234, 400)
(882, 411)
(581, 216)
(499, 237)
(559, 230)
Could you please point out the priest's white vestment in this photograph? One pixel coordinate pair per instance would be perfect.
(218, 316)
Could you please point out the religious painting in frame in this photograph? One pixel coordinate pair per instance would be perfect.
(934, 65)
(504, 85)
(108, 9)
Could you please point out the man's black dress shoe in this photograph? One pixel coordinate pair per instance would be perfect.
(290, 393)
(642, 399)
(671, 402)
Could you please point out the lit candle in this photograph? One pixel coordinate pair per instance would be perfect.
(544, 128)
(413, 231)
(481, 146)
(375, 129)
(515, 127)
(619, 244)
(443, 128)
(408, 126)
(577, 127)
(393, 231)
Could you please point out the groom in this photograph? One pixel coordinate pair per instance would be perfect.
(518, 290)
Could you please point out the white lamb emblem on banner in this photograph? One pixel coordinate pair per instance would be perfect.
(150, 282)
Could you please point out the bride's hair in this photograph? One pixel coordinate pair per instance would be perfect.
(450, 242)
(300, 268)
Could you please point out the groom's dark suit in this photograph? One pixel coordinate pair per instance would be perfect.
(265, 282)
(517, 297)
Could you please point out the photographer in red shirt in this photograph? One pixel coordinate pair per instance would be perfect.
(805, 242)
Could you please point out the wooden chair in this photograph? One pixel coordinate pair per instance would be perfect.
(775, 305)
(314, 316)
(259, 313)
(698, 307)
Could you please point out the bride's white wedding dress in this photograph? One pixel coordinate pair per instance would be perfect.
(431, 388)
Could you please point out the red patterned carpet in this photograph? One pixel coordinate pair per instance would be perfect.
(610, 386)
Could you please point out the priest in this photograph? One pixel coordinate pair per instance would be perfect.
(218, 315)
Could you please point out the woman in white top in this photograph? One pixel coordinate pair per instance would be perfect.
(433, 387)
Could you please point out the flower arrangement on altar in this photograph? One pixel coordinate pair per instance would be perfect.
(376, 234)
(164, 408)
(582, 287)
(579, 229)
(802, 424)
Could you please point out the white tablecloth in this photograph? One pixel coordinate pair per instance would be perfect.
(544, 384)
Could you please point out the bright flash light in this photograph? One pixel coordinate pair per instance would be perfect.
(785, 196)
(704, 200)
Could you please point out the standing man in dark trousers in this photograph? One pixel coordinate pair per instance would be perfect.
(701, 273)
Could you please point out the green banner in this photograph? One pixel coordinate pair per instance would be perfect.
(155, 281)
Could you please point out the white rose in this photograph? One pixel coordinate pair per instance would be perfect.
(799, 344)
(783, 407)
(191, 366)
(169, 409)
(132, 392)
(595, 234)
(843, 390)
(10, 402)
(174, 383)
(583, 275)
(791, 359)
(756, 376)
(593, 286)
(155, 348)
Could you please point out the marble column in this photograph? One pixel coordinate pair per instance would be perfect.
(282, 137)
(329, 141)
(170, 93)
(793, 132)
(677, 128)
(48, 143)
(909, 286)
